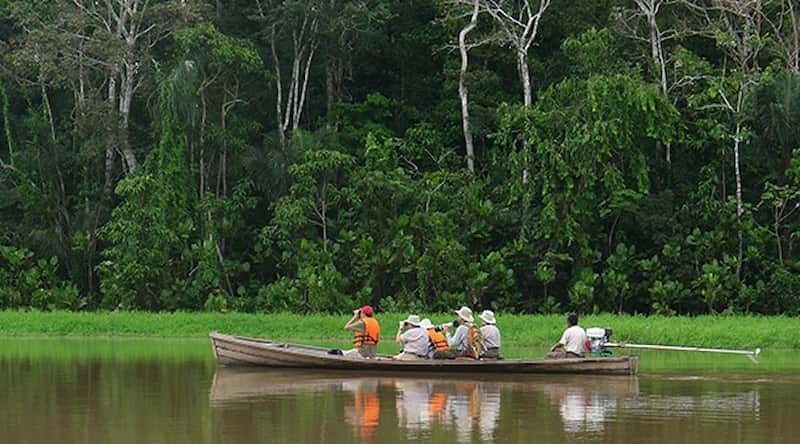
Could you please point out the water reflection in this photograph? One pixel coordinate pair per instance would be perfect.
(364, 414)
(113, 391)
(468, 408)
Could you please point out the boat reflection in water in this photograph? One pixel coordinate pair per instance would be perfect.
(467, 406)
(365, 412)
(585, 406)
(458, 408)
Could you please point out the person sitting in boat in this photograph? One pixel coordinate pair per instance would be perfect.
(573, 341)
(367, 330)
(491, 335)
(414, 340)
(438, 348)
(467, 340)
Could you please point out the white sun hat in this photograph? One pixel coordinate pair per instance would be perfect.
(488, 317)
(465, 314)
(413, 320)
(426, 324)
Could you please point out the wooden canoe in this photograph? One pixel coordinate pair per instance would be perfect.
(243, 351)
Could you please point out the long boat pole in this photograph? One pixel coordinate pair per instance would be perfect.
(751, 354)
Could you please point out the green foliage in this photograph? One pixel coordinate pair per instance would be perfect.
(584, 145)
(595, 52)
(149, 233)
(574, 203)
(26, 282)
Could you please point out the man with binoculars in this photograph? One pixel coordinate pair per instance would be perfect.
(414, 339)
(367, 331)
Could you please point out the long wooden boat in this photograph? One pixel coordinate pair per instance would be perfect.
(244, 351)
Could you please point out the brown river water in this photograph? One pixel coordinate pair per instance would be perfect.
(150, 391)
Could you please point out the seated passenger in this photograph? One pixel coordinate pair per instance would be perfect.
(438, 348)
(367, 331)
(491, 336)
(466, 340)
(573, 341)
(414, 340)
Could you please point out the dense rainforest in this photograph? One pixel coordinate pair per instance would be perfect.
(633, 156)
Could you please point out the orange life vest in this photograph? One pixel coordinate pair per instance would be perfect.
(438, 340)
(370, 335)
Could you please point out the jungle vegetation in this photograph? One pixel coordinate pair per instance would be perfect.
(529, 156)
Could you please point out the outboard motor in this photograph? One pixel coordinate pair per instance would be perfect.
(598, 337)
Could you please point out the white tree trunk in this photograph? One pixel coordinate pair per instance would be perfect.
(739, 205)
(649, 9)
(110, 144)
(462, 87)
(304, 45)
(126, 99)
(525, 78)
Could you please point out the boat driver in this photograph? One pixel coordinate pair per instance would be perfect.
(573, 341)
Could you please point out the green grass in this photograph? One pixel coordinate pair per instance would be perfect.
(519, 331)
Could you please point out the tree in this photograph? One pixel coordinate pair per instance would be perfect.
(736, 27)
(314, 195)
(587, 139)
(518, 22)
(149, 232)
(650, 12)
(299, 23)
(783, 18)
(344, 27)
(463, 93)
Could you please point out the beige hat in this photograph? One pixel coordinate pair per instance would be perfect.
(465, 314)
(413, 320)
(487, 317)
(426, 324)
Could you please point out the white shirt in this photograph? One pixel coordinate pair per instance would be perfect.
(415, 341)
(491, 336)
(460, 340)
(574, 340)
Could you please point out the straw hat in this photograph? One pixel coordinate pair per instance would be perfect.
(465, 313)
(426, 324)
(413, 320)
(487, 317)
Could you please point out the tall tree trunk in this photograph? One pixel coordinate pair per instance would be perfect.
(739, 205)
(111, 142)
(126, 99)
(7, 124)
(462, 87)
(335, 75)
(525, 77)
(330, 93)
(278, 88)
(793, 61)
(660, 64)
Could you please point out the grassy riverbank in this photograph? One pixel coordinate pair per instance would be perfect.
(518, 330)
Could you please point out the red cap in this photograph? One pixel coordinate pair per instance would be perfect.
(367, 310)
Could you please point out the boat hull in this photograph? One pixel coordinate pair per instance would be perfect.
(242, 351)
